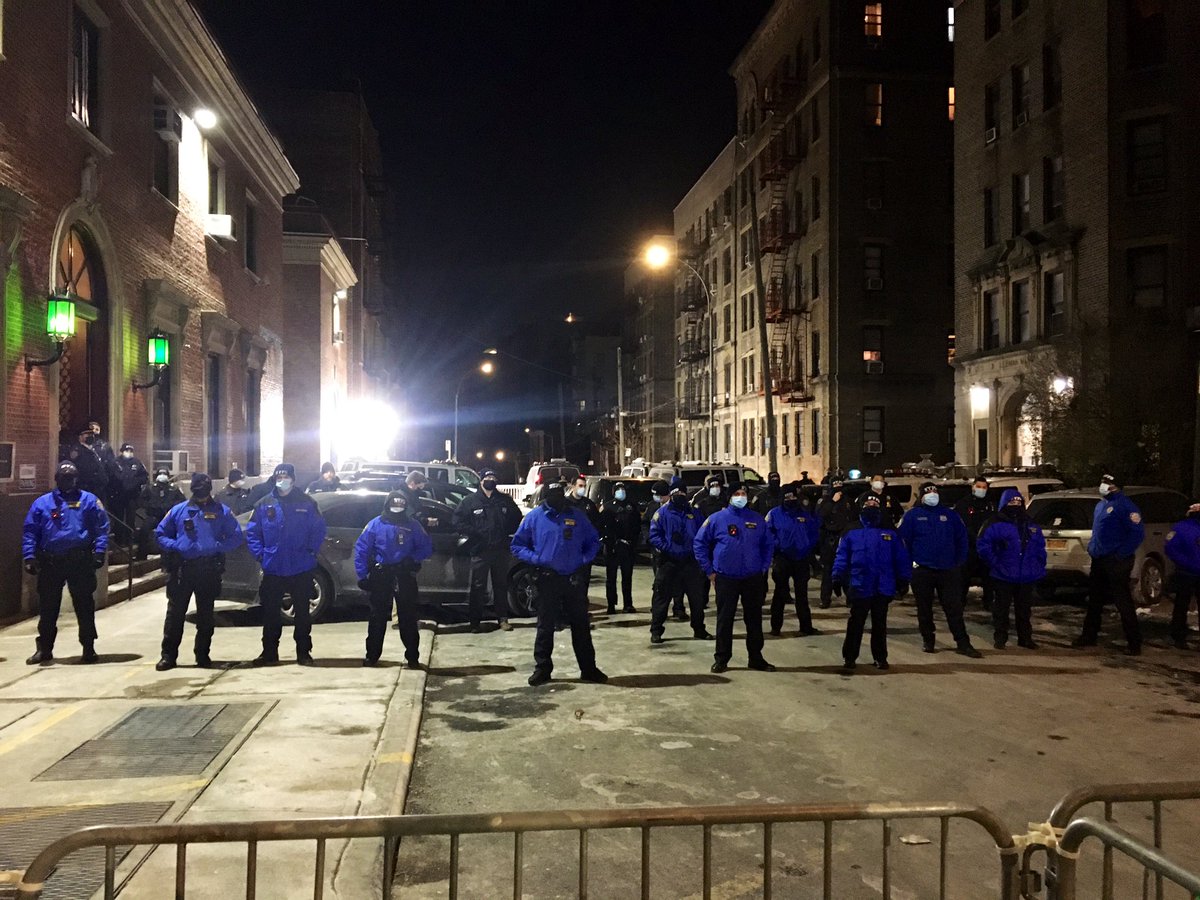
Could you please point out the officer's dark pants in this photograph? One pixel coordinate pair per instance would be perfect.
(945, 583)
(1186, 587)
(1109, 583)
(76, 572)
(147, 543)
(1020, 597)
(860, 608)
(270, 597)
(674, 577)
(566, 595)
(119, 510)
(829, 545)
(201, 577)
(388, 585)
(783, 571)
(752, 592)
(977, 570)
(619, 557)
(490, 563)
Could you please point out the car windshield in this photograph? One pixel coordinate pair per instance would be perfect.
(551, 474)
(1074, 513)
(694, 478)
(751, 477)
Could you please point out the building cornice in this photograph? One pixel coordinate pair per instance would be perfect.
(770, 24)
(186, 45)
(320, 250)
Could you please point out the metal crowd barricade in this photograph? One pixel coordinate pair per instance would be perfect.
(391, 829)
(1117, 839)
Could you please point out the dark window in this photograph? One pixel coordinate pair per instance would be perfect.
(798, 420)
(872, 419)
(250, 236)
(164, 428)
(216, 188)
(253, 422)
(745, 249)
(1054, 303)
(1019, 7)
(872, 345)
(816, 119)
(1145, 33)
(991, 217)
(727, 265)
(727, 323)
(816, 431)
(1051, 76)
(1020, 95)
(815, 188)
(799, 214)
(798, 286)
(815, 274)
(727, 202)
(1052, 188)
(873, 266)
(212, 395)
(991, 109)
(991, 320)
(1147, 154)
(816, 40)
(991, 18)
(1020, 203)
(873, 184)
(1022, 312)
(816, 354)
(85, 72)
(874, 105)
(1148, 276)
(351, 512)
(166, 151)
(1071, 515)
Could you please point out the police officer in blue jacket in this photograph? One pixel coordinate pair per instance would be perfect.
(1013, 548)
(734, 548)
(936, 540)
(387, 556)
(672, 532)
(1117, 532)
(873, 567)
(63, 542)
(796, 532)
(1183, 548)
(560, 542)
(284, 534)
(195, 536)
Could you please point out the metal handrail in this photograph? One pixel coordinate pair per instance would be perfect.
(1151, 859)
(128, 551)
(392, 828)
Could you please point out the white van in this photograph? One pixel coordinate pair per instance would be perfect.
(445, 472)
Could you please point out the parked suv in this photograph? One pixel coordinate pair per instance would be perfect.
(695, 473)
(447, 472)
(542, 473)
(1066, 519)
(637, 490)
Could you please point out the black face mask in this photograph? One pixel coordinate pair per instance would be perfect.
(89, 439)
(679, 502)
(202, 493)
(871, 516)
(66, 484)
(557, 501)
(773, 484)
(791, 504)
(489, 484)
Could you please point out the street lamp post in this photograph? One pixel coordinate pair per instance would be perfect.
(487, 368)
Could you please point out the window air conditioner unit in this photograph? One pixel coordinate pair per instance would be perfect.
(875, 203)
(874, 284)
(339, 337)
(168, 123)
(1022, 118)
(175, 460)
(875, 447)
(219, 225)
(1150, 185)
(874, 367)
(989, 136)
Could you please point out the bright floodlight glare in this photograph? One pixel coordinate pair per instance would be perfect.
(1062, 384)
(487, 368)
(570, 319)
(657, 256)
(366, 428)
(205, 119)
(491, 351)
(500, 455)
(981, 399)
(854, 474)
(479, 454)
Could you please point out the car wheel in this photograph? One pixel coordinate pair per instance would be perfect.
(1150, 582)
(320, 603)
(523, 593)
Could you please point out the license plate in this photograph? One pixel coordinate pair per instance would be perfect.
(1056, 544)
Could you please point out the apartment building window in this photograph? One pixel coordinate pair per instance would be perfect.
(816, 431)
(815, 189)
(798, 285)
(950, 103)
(253, 419)
(1148, 276)
(167, 134)
(85, 71)
(745, 438)
(799, 213)
(1147, 154)
(816, 354)
(1020, 95)
(1020, 203)
(728, 383)
(727, 323)
(1054, 303)
(991, 217)
(816, 40)
(874, 106)
(991, 320)
(215, 410)
(873, 20)
(815, 119)
(872, 419)
(873, 266)
(727, 266)
(784, 435)
(1051, 76)
(1019, 7)
(727, 203)
(991, 18)
(745, 249)
(873, 184)
(762, 437)
(250, 235)
(216, 183)
(815, 276)
(1052, 188)
(991, 111)
(748, 383)
(1145, 33)
(727, 438)
(950, 24)
(753, 437)
(872, 337)
(1022, 312)
(798, 443)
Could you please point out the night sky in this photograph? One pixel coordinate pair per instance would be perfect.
(530, 144)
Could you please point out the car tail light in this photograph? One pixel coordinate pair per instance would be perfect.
(538, 480)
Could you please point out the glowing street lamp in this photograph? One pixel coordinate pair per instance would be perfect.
(657, 256)
(204, 119)
(60, 326)
(487, 367)
(158, 357)
(479, 454)
(499, 456)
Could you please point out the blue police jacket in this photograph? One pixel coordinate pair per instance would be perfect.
(57, 525)
(389, 543)
(673, 530)
(1116, 527)
(934, 536)
(285, 533)
(193, 530)
(735, 543)
(796, 531)
(563, 541)
(1183, 545)
(1013, 547)
(871, 562)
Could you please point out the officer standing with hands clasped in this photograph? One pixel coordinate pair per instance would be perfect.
(975, 509)
(1117, 532)
(63, 542)
(796, 533)
(734, 548)
(1183, 548)
(620, 530)
(284, 534)
(936, 539)
(835, 514)
(488, 518)
(387, 556)
(1013, 548)
(195, 536)
(560, 543)
(873, 566)
(673, 533)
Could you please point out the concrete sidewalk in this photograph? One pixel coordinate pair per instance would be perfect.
(118, 741)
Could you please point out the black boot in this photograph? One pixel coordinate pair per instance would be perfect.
(89, 653)
(40, 658)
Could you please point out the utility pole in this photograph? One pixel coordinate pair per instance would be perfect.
(562, 427)
(620, 414)
(763, 342)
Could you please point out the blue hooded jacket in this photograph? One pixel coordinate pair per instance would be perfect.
(57, 525)
(1117, 528)
(390, 543)
(796, 531)
(285, 533)
(1183, 546)
(563, 541)
(673, 530)
(735, 543)
(193, 531)
(934, 536)
(1013, 547)
(871, 562)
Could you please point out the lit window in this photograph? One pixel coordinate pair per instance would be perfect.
(872, 344)
(85, 72)
(950, 103)
(873, 20)
(874, 107)
(950, 23)
(338, 334)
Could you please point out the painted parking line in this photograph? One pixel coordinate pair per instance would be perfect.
(404, 758)
(34, 730)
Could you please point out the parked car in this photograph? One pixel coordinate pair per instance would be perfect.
(695, 473)
(444, 578)
(1066, 519)
(542, 473)
(637, 490)
(446, 472)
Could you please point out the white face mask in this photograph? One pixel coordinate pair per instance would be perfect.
(931, 499)
(714, 491)
(236, 484)
(1105, 487)
(397, 509)
(284, 485)
(579, 492)
(620, 495)
(738, 502)
(979, 493)
(162, 479)
(656, 498)
(877, 485)
(127, 454)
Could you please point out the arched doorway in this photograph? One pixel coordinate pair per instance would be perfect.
(83, 375)
(1020, 432)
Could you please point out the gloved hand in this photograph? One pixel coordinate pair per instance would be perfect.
(98, 560)
(31, 566)
(542, 573)
(364, 584)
